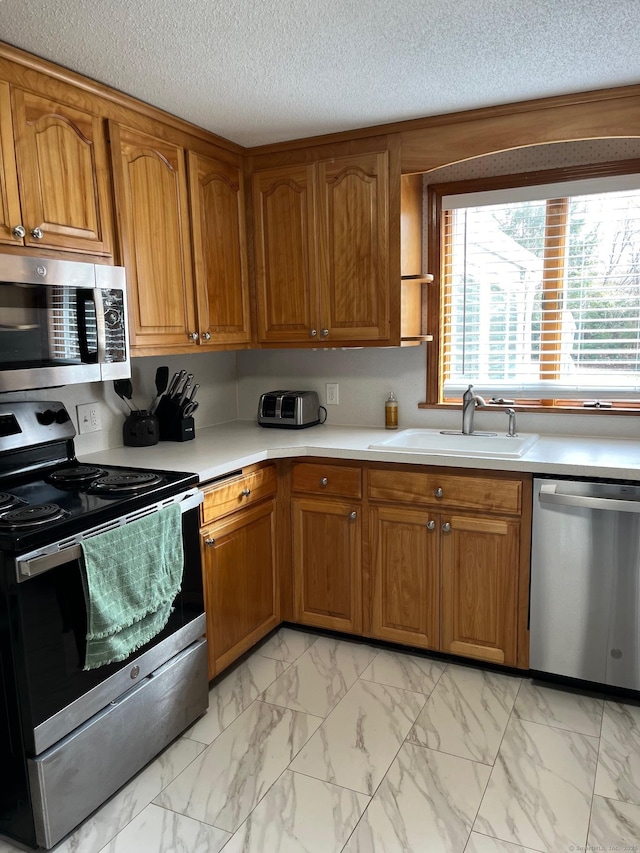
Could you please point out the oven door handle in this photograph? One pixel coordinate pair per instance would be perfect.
(28, 567)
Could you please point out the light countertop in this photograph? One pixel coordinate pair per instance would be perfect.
(218, 450)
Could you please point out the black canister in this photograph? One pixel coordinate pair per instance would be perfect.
(140, 429)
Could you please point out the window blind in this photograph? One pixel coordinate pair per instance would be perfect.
(541, 296)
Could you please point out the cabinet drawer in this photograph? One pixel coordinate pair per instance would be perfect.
(334, 480)
(489, 494)
(237, 493)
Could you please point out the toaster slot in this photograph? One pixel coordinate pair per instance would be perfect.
(269, 405)
(288, 407)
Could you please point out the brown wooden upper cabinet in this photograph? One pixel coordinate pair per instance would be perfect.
(55, 191)
(152, 212)
(322, 251)
(216, 196)
(183, 244)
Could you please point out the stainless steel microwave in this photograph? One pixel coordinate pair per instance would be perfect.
(61, 322)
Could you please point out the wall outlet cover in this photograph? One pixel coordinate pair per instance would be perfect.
(332, 394)
(89, 418)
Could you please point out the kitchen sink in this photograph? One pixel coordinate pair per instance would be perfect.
(456, 444)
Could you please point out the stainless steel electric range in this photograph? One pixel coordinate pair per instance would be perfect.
(70, 737)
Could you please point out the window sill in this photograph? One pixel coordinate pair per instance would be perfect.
(536, 408)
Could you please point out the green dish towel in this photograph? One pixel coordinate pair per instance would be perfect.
(131, 576)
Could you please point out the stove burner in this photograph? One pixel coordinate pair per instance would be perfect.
(31, 516)
(75, 476)
(132, 481)
(9, 502)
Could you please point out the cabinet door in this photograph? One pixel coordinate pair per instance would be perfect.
(240, 583)
(406, 576)
(10, 215)
(480, 562)
(353, 210)
(286, 281)
(327, 574)
(216, 196)
(63, 175)
(153, 222)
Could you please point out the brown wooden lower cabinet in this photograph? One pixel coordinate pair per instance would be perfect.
(446, 579)
(240, 582)
(405, 606)
(327, 572)
(438, 575)
(479, 563)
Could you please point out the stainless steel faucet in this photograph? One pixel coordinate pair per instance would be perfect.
(469, 403)
(512, 423)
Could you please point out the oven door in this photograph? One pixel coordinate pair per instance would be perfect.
(49, 626)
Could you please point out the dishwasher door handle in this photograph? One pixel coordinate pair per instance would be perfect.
(550, 495)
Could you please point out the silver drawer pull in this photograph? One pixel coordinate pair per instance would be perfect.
(438, 492)
(446, 527)
(245, 492)
(209, 541)
(431, 525)
(324, 481)
(353, 515)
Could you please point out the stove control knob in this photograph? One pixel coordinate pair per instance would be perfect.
(46, 418)
(62, 416)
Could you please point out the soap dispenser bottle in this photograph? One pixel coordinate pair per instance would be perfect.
(391, 412)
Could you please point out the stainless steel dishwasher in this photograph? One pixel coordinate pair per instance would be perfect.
(585, 581)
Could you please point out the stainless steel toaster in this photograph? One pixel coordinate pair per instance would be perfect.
(289, 409)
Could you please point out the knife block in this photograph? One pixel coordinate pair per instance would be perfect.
(173, 426)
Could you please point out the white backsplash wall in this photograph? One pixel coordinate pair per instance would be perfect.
(214, 372)
(365, 377)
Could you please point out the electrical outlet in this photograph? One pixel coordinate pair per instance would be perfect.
(88, 418)
(332, 394)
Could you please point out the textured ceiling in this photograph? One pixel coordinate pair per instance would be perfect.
(260, 71)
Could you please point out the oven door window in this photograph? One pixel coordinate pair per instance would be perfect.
(45, 326)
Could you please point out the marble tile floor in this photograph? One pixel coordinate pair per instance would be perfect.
(318, 745)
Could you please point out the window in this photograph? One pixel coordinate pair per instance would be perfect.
(539, 290)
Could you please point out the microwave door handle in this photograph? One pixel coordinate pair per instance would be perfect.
(88, 356)
(101, 326)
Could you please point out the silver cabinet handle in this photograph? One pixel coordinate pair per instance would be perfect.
(193, 336)
(206, 336)
(353, 515)
(19, 231)
(324, 481)
(446, 527)
(37, 233)
(313, 333)
(438, 493)
(209, 541)
(431, 525)
(325, 333)
(245, 492)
